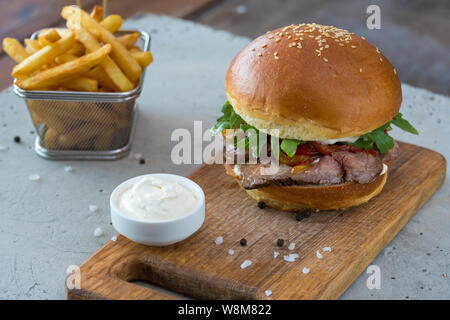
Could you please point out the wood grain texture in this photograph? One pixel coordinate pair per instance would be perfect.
(199, 268)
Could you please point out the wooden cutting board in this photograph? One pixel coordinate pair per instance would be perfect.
(199, 268)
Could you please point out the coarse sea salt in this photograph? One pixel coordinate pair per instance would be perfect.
(319, 255)
(291, 246)
(245, 264)
(276, 254)
(114, 238)
(68, 169)
(93, 208)
(34, 177)
(268, 292)
(326, 249)
(291, 257)
(137, 156)
(98, 232)
(305, 270)
(231, 252)
(219, 240)
(240, 9)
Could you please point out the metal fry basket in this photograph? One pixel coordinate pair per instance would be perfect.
(73, 125)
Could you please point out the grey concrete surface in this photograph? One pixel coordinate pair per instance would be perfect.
(46, 225)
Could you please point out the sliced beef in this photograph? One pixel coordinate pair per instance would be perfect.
(340, 166)
(360, 167)
(252, 175)
(326, 171)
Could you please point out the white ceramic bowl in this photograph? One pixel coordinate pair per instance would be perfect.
(158, 233)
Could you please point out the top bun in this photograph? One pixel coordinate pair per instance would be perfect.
(313, 82)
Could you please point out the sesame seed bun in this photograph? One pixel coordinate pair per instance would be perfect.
(304, 197)
(284, 80)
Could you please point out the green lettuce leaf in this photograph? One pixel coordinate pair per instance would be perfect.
(379, 139)
(404, 124)
(229, 120)
(289, 146)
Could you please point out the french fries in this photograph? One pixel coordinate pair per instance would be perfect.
(43, 56)
(65, 57)
(48, 37)
(77, 49)
(32, 46)
(119, 53)
(66, 71)
(143, 58)
(15, 50)
(82, 84)
(108, 65)
(129, 40)
(97, 13)
(111, 23)
(87, 57)
(99, 74)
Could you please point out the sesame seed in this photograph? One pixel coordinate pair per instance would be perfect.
(341, 44)
(363, 38)
(276, 57)
(253, 49)
(395, 71)
(378, 50)
(325, 59)
(270, 37)
(264, 46)
(259, 54)
(327, 46)
(381, 59)
(277, 40)
(360, 69)
(275, 53)
(353, 47)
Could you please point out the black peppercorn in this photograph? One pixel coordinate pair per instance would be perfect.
(261, 205)
(280, 242)
(17, 139)
(142, 161)
(243, 242)
(299, 216)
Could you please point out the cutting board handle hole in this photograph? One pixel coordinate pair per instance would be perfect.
(150, 277)
(154, 287)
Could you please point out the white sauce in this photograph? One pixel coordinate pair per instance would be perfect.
(333, 141)
(155, 199)
(385, 168)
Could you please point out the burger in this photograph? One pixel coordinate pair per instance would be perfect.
(332, 98)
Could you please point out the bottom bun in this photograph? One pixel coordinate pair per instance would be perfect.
(315, 197)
